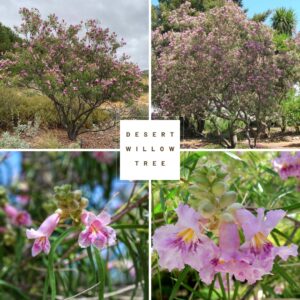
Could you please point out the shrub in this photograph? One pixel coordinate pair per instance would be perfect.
(291, 111)
(9, 141)
(21, 107)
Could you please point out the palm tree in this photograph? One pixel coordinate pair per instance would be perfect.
(284, 21)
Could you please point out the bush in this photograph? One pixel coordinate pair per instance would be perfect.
(22, 107)
(28, 107)
(9, 141)
(291, 111)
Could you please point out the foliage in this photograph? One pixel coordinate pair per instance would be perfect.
(252, 177)
(161, 13)
(12, 141)
(69, 269)
(7, 39)
(75, 66)
(291, 111)
(284, 21)
(220, 64)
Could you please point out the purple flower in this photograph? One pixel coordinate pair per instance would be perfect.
(288, 165)
(41, 236)
(97, 231)
(257, 246)
(179, 244)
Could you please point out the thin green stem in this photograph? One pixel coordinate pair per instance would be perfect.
(51, 274)
(236, 289)
(180, 279)
(222, 286)
(211, 288)
(90, 254)
(228, 285)
(101, 274)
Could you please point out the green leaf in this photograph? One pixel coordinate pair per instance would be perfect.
(101, 274)
(51, 274)
(16, 290)
(281, 272)
(181, 277)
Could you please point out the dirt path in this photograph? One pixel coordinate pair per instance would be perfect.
(289, 141)
(57, 139)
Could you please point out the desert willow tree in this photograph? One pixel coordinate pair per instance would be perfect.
(76, 66)
(222, 66)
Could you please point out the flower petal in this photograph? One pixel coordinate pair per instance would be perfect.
(104, 217)
(285, 251)
(273, 217)
(84, 239)
(48, 226)
(33, 234)
(248, 222)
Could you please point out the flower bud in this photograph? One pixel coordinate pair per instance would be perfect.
(211, 175)
(227, 217)
(207, 208)
(219, 188)
(84, 202)
(228, 198)
(233, 207)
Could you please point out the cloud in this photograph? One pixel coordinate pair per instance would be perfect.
(128, 18)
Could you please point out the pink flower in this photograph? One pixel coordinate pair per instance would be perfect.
(179, 244)
(17, 217)
(97, 231)
(23, 199)
(104, 157)
(257, 246)
(41, 236)
(288, 165)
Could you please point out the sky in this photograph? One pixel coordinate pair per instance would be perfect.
(258, 6)
(128, 18)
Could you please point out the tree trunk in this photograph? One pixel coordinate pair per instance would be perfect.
(283, 124)
(72, 132)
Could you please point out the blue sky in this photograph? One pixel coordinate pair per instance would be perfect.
(257, 6)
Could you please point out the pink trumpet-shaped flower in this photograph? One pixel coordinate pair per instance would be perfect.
(17, 217)
(179, 244)
(41, 236)
(97, 231)
(257, 246)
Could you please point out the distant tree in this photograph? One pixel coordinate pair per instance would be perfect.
(7, 39)
(79, 71)
(262, 17)
(284, 21)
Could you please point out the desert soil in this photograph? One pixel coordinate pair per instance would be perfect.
(277, 141)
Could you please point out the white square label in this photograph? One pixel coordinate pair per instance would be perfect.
(150, 150)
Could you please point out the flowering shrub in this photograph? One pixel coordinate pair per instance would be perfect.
(219, 64)
(75, 66)
(225, 239)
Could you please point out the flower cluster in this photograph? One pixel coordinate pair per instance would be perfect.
(187, 243)
(71, 205)
(288, 165)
